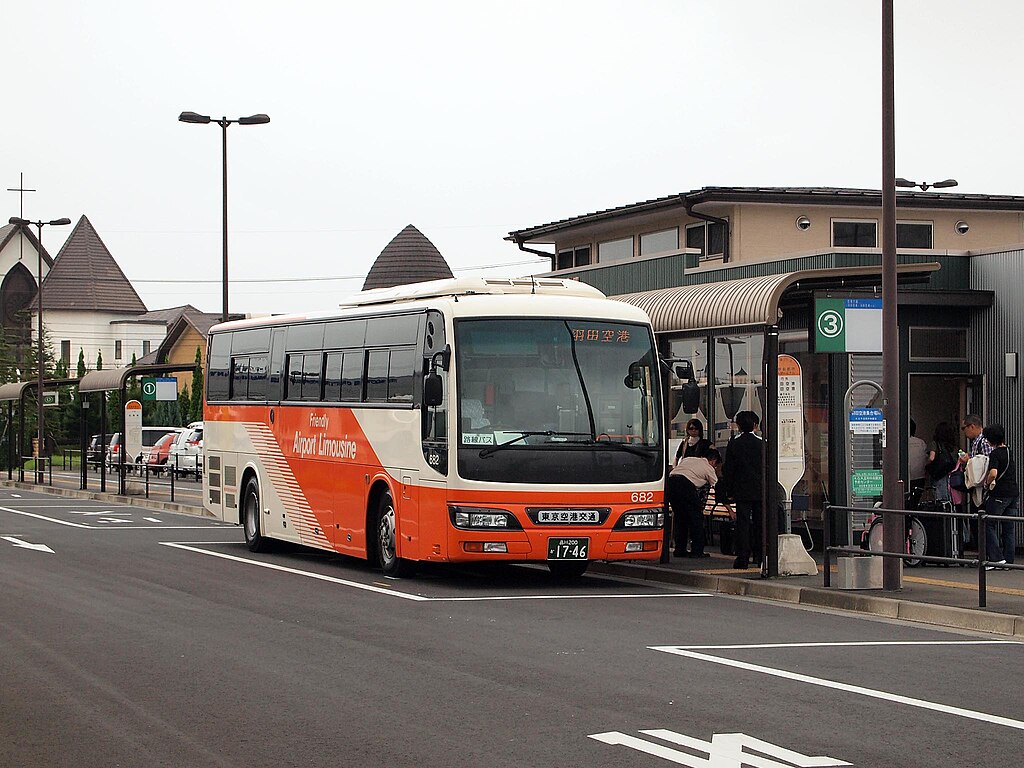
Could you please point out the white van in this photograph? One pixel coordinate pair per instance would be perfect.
(186, 457)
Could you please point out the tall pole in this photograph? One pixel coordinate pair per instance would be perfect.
(39, 362)
(224, 123)
(893, 529)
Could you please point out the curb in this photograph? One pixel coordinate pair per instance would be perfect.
(114, 498)
(819, 597)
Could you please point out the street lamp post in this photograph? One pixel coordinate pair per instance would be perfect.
(924, 185)
(192, 117)
(40, 433)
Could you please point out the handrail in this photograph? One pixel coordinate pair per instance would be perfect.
(980, 562)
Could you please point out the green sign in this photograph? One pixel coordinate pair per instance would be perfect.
(159, 388)
(866, 482)
(50, 398)
(847, 325)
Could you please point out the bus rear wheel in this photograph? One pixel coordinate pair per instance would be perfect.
(254, 539)
(568, 570)
(386, 540)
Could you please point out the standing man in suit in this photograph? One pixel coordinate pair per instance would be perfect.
(741, 475)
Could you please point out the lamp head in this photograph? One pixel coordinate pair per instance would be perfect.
(944, 183)
(901, 182)
(19, 222)
(254, 119)
(193, 117)
(60, 221)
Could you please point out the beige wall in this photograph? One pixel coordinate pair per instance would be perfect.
(184, 353)
(769, 231)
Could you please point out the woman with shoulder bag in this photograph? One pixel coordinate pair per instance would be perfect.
(1002, 497)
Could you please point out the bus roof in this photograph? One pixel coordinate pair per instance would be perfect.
(468, 286)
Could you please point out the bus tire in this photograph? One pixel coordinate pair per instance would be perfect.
(568, 570)
(254, 539)
(386, 539)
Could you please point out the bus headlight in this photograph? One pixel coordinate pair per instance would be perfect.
(643, 518)
(482, 518)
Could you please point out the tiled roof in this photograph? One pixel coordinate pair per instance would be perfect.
(409, 258)
(85, 276)
(202, 322)
(784, 195)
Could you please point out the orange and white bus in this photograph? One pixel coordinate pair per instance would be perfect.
(451, 421)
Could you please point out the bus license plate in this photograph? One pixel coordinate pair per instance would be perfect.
(568, 549)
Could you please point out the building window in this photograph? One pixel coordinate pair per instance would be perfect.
(117, 350)
(615, 250)
(659, 242)
(579, 256)
(145, 347)
(854, 233)
(913, 234)
(65, 351)
(708, 237)
(938, 344)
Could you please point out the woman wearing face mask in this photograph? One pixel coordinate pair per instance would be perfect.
(695, 443)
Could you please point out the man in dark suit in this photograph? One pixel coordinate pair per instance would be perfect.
(741, 475)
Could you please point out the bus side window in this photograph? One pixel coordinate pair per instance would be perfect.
(275, 380)
(219, 374)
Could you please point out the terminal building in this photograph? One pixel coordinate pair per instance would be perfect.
(735, 277)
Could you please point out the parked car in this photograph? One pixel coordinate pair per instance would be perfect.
(159, 453)
(150, 436)
(187, 450)
(94, 454)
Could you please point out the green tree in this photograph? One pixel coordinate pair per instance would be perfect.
(184, 406)
(196, 410)
(99, 360)
(81, 370)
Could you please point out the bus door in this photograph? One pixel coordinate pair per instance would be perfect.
(409, 514)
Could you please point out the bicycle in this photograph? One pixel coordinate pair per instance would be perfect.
(916, 538)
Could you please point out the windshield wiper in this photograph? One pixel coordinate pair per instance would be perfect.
(530, 433)
(639, 450)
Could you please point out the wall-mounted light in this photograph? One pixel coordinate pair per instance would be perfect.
(803, 223)
(1011, 365)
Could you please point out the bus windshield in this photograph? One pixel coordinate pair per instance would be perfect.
(558, 393)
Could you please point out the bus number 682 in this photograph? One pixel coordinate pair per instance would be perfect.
(642, 497)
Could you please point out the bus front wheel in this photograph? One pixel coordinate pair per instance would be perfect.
(254, 540)
(387, 540)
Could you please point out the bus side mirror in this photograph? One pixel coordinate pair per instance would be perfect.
(634, 378)
(433, 390)
(684, 371)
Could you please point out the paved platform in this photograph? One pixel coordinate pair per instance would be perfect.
(943, 595)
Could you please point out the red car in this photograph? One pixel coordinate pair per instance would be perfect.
(160, 452)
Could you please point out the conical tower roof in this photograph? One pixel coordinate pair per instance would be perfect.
(409, 258)
(85, 276)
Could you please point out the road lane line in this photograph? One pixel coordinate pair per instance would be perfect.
(297, 572)
(857, 643)
(969, 714)
(48, 519)
(560, 597)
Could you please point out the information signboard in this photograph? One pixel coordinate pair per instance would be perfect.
(847, 325)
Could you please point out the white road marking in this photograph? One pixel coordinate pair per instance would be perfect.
(48, 519)
(25, 545)
(857, 689)
(725, 750)
(152, 520)
(71, 524)
(406, 595)
(859, 643)
(562, 597)
(295, 571)
(94, 512)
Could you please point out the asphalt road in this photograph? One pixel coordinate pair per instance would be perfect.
(155, 639)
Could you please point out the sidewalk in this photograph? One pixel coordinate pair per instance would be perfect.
(946, 596)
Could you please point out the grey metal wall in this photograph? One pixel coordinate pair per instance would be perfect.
(995, 331)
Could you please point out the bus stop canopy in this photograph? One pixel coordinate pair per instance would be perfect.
(15, 390)
(749, 301)
(114, 378)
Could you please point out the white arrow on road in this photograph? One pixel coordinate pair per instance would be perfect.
(26, 545)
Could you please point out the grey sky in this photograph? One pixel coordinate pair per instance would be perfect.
(468, 119)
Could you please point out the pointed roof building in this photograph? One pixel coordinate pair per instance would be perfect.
(409, 258)
(84, 276)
